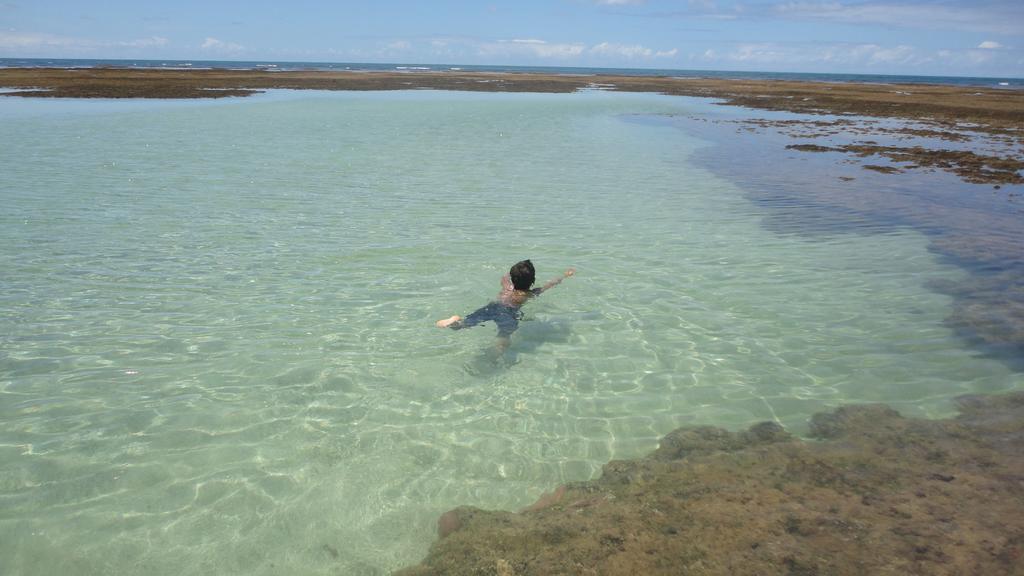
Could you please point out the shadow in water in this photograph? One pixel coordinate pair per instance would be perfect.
(979, 228)
(531, 335)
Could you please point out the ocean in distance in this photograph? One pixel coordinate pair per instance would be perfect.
(1013, 83)
(217, 351)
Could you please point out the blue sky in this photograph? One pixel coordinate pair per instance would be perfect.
(939, 37)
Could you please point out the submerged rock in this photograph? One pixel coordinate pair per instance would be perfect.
(875, 494)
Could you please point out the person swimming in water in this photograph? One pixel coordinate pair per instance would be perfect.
(505, 311)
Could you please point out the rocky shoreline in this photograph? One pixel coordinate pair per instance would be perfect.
(998, 109)
(872, 493)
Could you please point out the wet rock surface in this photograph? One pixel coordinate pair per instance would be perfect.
(972, 167)
(871, 493)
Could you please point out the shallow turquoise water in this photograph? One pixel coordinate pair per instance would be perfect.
(217, 351)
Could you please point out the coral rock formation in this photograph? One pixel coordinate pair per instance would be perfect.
(872, 493)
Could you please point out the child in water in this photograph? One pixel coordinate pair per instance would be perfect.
(505, 311)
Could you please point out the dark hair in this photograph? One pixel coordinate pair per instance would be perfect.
(522, 275)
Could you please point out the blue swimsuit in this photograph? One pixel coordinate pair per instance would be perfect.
(505, 316)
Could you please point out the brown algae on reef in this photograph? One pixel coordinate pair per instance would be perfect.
(873, 493)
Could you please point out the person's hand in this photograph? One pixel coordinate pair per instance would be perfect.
(570, 272)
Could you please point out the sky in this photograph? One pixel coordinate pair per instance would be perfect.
(938, 37)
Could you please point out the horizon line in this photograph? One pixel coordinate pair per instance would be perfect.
(544, 66)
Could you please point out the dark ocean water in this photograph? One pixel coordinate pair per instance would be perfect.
(1016, 83)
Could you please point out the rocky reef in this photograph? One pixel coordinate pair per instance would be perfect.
(871, 492)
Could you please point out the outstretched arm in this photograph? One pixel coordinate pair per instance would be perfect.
(556, 281)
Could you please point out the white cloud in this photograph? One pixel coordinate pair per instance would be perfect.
(627, 51)
(28, 40)
(898, 54)
(530, 47)
(990, 45)
(989, 16)
(1006, 18)
(215, 45)
(759, 53)
(150, 42)
(42, 42)
(399, 45)
(863, 58)
(781, 56)
(619, 2)
(603, 52)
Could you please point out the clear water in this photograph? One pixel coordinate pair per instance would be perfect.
(217, 351)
